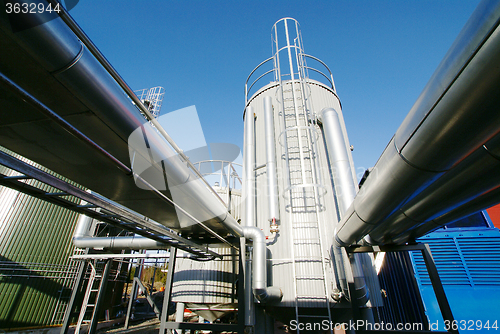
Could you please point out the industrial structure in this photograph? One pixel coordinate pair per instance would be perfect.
(290, 237)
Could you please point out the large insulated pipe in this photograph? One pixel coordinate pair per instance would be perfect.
(345, 191)
(272, 183)
(345, 188)
(56, 48)
(474, 176)
(82, 238)
(486, 200)
(454, 116)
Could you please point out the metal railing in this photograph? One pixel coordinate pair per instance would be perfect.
(226, 174)
(325, 74)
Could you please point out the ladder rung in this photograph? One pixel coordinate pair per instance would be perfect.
(311, 297)
(310, 277)
(313, 316)
(305, 259)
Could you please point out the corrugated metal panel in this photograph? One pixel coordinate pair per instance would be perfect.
(35, 270)
(402, 299)
(235, 201)
(461, 258)
(206, 282)
(482, 258)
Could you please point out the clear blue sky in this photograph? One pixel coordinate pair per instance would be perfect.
(381, 53)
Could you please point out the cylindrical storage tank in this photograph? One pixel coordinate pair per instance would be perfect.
(299, 254)
(207, 288)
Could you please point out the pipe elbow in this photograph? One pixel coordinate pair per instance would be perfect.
(77, 242)
(268, 295)
(263, 293)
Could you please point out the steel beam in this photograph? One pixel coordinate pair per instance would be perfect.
(121, 217)
(168, 290)
(444, 306)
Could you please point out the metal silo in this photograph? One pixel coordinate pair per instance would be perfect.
(298, 175)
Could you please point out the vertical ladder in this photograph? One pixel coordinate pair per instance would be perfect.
(90, 294)
(303, 184)
(307, 249)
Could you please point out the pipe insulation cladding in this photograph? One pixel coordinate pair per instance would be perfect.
(63, 58)
(261, 291)
(475, 176)
(345, 192)
(82, 238)
(455, 115)
(345, 188)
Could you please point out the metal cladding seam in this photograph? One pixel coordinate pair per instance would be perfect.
(473, 177)
(454, 116)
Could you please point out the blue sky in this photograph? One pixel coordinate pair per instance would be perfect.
(381, 53)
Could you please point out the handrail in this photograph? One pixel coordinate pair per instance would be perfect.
(234, 175)
(327, 68)
(328, 76)
(248, 78)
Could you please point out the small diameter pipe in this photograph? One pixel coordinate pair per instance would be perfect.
(258, 275)
(272, 184)
(248, 206)
(248, 168)
(82, 239)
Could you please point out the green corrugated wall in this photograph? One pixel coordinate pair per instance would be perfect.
(35, 239)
